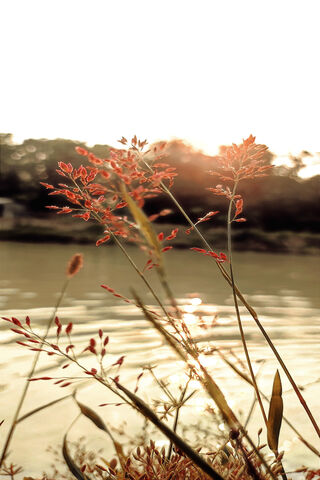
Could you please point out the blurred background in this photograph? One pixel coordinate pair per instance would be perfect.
(282, 209)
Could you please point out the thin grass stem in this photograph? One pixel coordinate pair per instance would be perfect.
(235, 300)
(30, 375)
(176, 418)
(249, 309)
(208, 383)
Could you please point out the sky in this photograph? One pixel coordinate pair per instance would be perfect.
(209, 72)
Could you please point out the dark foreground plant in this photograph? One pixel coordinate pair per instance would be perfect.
(125, 181)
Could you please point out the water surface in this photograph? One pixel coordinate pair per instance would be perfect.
(283, 289)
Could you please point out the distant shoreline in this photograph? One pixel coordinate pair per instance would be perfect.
(40, 230)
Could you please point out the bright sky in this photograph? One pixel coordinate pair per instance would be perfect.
(207, 71)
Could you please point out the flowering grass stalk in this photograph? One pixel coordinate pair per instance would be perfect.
(113, 384)
(238, 205)
(236, 290)
(208, 383)
(138, 177)
(132, 177)
(74, 265)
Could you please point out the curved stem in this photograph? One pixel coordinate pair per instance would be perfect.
(250, 309)
(235, 300)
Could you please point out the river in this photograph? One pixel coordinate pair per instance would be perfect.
(284, 289)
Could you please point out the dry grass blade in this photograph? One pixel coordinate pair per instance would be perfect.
(247, 379)
(144, 224)
(219, 399)
(149, 234)
(70, 463)
(36, 410)
(211, 387)
(170, 434)
(275, 413)
(97, 420)
(92, 415)
(207, 381)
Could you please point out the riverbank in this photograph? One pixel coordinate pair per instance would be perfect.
(53, 230)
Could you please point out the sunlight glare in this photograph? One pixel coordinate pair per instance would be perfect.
(208, 360)
(195, 301)
(148, 73)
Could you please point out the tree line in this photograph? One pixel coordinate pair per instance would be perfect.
(281, 201)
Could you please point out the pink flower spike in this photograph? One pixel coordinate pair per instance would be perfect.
(173, 234)
(69, 328)
(102, 240)
(213, 254)
(47, 185)
(65, 384)
(81, 151)
(119, 361)
(16, 322)
(111, 290)
(39, 378)
(65, 168)
(85, 216)
(200, 250)
(165, 211)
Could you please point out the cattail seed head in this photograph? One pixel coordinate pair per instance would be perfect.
(74, 265)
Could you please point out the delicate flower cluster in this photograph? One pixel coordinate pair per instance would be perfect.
(236, 163)
(206, 217)
(239, 162)
(95, 346)
(90, 196)
(152, 262)
(220, 257)
(140, 174)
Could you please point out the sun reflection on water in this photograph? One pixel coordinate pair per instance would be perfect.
(193, 310)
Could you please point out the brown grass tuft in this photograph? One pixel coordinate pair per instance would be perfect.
(75, 264)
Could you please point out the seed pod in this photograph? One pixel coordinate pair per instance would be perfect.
(275, 414)
(74, 265)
